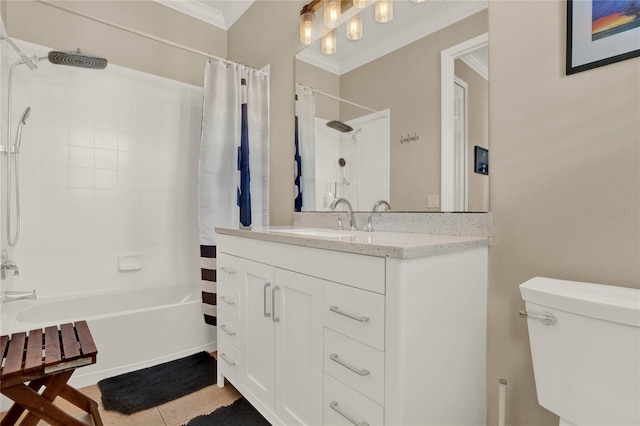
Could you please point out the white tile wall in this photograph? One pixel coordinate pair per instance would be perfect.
(108, 166)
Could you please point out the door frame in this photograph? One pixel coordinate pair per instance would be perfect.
(447, 77)
(461, 199)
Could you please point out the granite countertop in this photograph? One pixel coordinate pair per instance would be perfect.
(403, 245)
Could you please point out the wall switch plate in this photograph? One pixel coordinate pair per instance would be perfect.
(433, 201)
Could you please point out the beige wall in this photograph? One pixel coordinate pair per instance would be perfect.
(407, 81)
(565, 162)
(45, 25)
(325, 81)
(478, 133)
(267, 33)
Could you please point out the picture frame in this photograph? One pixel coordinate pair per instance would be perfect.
(481, 162)
(601, 32)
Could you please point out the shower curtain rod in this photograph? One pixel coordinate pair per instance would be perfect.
(140, 33)
(319, 92)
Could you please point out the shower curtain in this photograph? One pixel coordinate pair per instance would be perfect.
(305, 157)
(233, 179)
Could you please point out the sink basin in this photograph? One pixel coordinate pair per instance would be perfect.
(324, 233)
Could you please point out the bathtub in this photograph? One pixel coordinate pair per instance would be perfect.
(132, 329)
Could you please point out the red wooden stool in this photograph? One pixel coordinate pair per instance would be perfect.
(46, 358)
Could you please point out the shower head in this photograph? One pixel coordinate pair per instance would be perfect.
(340, 126)
(23, 121)
(77, 59)
(25, 115)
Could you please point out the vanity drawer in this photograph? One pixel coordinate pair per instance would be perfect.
(229, 330)
(229, 269)
(345, 407)
(355, 364)
(228, 300)
(229, 359)
(355, 313)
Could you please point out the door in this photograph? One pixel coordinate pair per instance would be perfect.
(460, 145)
(259, 353)
(298, 340)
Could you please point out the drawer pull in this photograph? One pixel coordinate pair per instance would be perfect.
(264, 300)
(224, 357)
(228, 270)
(353, 317)
(228, 302)
(224, 328)
(334, 406)
(336, 358)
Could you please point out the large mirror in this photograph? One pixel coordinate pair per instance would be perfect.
(368, 117)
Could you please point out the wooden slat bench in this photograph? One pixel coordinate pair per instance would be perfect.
(46, 358)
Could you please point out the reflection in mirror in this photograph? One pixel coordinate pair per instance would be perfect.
(395, 69)
(340, 159)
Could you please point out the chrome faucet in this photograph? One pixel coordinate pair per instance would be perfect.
(8, 265)
(336, 202)
(379, 203)
(12, 296)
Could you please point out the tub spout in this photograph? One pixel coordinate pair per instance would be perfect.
(12, 296)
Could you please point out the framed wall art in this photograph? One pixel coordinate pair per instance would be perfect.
(601, 32)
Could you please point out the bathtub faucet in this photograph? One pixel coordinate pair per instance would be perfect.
(12, 296)
(7, 265)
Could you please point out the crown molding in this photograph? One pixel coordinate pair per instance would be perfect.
(197, 10)
(477, 65)
(319, 60)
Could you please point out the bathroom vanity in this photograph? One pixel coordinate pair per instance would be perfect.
(317, 326)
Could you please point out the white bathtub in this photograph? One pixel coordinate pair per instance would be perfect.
(132, 329)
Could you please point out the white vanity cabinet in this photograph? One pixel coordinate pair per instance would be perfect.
(337, 338)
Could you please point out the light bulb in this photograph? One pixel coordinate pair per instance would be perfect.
(306, 28)
(418, 1)
(331, 13)
(354, 28)
(329, 44)
(384, 10)
(360, 4)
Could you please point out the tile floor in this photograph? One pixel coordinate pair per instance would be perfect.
(172, 413)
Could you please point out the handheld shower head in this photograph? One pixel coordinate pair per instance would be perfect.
(25, 115)
(23, 121)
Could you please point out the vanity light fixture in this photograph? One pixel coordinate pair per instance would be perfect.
(306, 26)
(354, 28)
(329, 43)
(332, 12)
(418, 1)
(360, 4)
(384, 11)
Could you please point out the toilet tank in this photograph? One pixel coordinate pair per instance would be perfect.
(586, 364)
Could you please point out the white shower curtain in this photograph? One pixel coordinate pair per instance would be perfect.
(219, 178)
(235, 128)
(305, 182)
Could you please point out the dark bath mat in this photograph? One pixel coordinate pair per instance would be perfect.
(240, 413)
(136, 391)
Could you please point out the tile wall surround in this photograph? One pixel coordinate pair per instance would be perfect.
(469, 224)
(108, 166)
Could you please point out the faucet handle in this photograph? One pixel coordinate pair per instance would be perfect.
(340, 226)
(369, 227)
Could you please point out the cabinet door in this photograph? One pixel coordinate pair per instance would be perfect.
(259, 361)
(298, 340)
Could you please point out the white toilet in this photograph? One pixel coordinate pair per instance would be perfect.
(585, 347)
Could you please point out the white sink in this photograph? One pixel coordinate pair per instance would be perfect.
(308, 232)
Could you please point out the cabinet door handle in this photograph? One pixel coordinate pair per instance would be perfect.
(348, 315)
(273, 304)
(334, 406)
(224, 357)
(228, 302)
(264, 300)
(228, 270)
(336, 358)
(224, 328)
